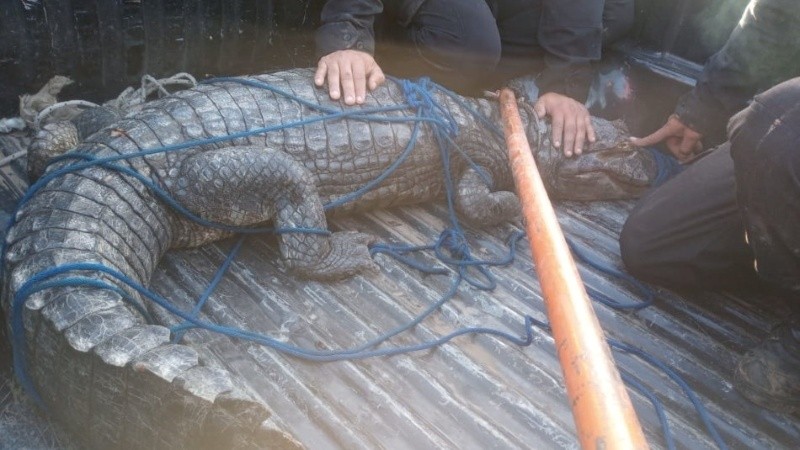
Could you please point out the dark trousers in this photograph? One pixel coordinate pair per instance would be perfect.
(693, 231)
(471, 44)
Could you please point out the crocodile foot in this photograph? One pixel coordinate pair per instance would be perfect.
(479, 205)
(52, 140)
(349, 256)
(498, 207)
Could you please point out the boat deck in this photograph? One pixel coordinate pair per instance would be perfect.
(474, 392)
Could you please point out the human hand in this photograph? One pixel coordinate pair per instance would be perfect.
(349, 73)
(570, 120)
(682, 141)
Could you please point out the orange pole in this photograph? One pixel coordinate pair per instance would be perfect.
(603, 413)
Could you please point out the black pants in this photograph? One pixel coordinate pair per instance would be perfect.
(690, 232)
(460, 43)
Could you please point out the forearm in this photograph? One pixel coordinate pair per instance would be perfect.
(347, 24)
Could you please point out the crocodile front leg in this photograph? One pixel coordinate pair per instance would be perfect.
(478, 205)
(483, 197)
(243, 186)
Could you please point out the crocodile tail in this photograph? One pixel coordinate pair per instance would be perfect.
(110, 377)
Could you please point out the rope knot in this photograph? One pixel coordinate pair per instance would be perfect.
(419, 95)
(456, 243)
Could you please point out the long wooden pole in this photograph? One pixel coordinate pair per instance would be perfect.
(603, 413)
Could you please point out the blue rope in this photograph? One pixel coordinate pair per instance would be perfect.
(172, 203)
(179, 330)
(647, 293)
(705, 417)
(451, 248)
(39, 282)
(399, 251)
(657, 405)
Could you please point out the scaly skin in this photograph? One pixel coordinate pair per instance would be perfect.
(118, 382)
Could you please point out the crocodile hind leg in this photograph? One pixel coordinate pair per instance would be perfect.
(57, 138)
(50, 141)
(243, 186)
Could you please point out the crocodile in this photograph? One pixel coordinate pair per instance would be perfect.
(118, 381)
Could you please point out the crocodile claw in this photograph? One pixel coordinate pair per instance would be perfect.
(349, 256)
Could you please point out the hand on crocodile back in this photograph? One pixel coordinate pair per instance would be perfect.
(286, 176)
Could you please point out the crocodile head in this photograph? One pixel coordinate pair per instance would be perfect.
(610, 168)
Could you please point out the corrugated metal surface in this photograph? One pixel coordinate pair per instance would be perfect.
(477, 391)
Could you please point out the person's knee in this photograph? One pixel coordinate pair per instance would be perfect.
(618, 19)
(633, 247)
(642, 249)
(457, 35)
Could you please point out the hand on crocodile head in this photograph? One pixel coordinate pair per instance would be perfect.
(348, 74)
(682, 141)
(571, 122)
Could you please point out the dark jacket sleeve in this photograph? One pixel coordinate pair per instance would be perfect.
(347, 24)
(571, 34)
(762, 51)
